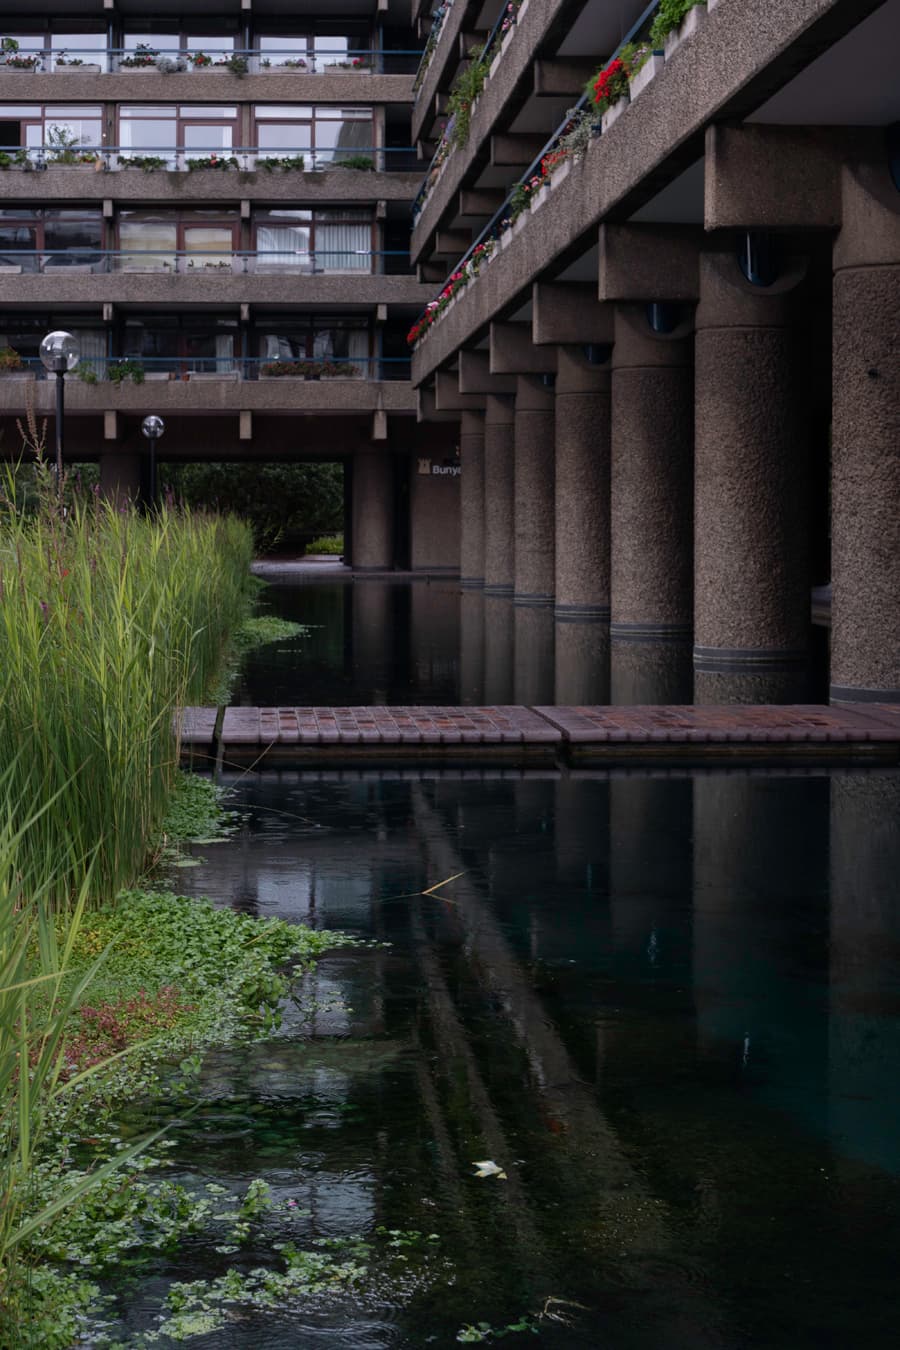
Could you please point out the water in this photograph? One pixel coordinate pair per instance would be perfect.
(666, 1005)
(430, 642)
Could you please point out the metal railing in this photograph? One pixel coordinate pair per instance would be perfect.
(239, 61)
(492, 230)
(209, 262)
(183, 159)
(136, 369)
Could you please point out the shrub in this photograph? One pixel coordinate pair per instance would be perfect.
(327, 543)
(668, 18)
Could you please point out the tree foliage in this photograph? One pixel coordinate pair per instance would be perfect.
(283, 503)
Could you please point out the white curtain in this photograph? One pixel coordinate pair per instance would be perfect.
(358, 351)
(224, 352)
(92, 342)
(344, 246)
(282, 246)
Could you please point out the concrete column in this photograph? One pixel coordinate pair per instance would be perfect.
(582, 486)
(471, 539)
(499, 649)
(120, 476)
(865, 616)
(651, 672)
(471, 646)
(373, 513)
(534, 666)
(651, 478)
(499, 495)
(751, 505)
(581, 662)
(534, 490)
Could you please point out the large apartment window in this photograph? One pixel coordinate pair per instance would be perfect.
(65, 46)
(24, 336)
(38, 239)
(326, 134)
(177, 241)
(35, 125)
(314, 337)
(311, 51)
(158, 131)
(171, 345)
(335, 240)
(171, 42)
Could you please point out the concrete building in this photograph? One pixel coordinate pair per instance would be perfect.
(670, 342)
(214, 197)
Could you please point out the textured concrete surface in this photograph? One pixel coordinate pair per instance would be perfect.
(865, 614)
(471, 486)
(434, 504)
(768, 177)
(151, 86)
(583, 428)
(651, 479)
(751, 547)
(534, 486)
(211, 288)
(581, 663)
(499, 495)
(534, 677)
(471, 646)
(373, 512)
(499, 649)
(651, 672)
(190, 397)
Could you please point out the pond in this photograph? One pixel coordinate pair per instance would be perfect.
(377, 640)
(666, 1007)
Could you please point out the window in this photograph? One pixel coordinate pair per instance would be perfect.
(78, 49)
(36, 125)
(315, 337)
(173, 241)
(337, 240)
(24, 336)
(147, 131)
(326, 134)
(172, 345)
(42, 239)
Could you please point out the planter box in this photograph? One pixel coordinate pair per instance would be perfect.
(540, 197)
(613, 114)
(560, 173)
(139, 70)
(205, 375)
(711, 4)
(78, 70)
(24, 70)
(11, 267)
(157, 376)
(689, 25)
(284, 70)
(22, 376)
(647, 72)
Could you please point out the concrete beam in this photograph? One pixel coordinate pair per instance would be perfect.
(474, 376)
(447, 397)
(643, 263)
(430, 273)
(451, 243)
(563, 77)
(768, 177)
(513, 353)
(468, 41)
(515, 152)
(427, 409)
(569, 312)
(480, 202)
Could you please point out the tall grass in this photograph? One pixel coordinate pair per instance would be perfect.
(108, 622)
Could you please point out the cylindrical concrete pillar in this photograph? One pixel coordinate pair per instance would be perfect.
(651, 478)
(499, 649)
(471, 505)
(582, 663)
(120, 477)
(751, 503)
(373, 513)
(471, 646)
(534, 485)
(534, 666)
(651, 672)
(582, 486)
(499, 495)
(865, 558)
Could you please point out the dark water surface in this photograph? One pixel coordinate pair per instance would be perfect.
(666, 1006)
(431, 642)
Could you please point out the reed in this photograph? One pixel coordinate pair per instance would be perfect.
(108, 622)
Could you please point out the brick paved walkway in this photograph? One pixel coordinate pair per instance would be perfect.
(515, 734)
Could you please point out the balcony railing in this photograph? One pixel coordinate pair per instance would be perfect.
(184, 159)
(240, 61)
(209, 262)
(165, 369)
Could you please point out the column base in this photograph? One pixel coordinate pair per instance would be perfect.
(848, 694)
(526, 600)
(581, 613)
(739, 659)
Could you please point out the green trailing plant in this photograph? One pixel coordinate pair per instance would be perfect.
(282, 163)
(63, 147)
(148, 163)
(125, 369)
(466, 87)
(86, 372)
(327, 543)
(310, 370)
(213, 162)
(236, 64)
(10, 359)
(362, 162)
(669, 17)
(579, 132)
(143, 55)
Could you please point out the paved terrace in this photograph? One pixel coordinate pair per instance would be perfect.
(532, 736)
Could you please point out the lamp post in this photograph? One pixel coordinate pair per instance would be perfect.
(59, 354)
(152, 427)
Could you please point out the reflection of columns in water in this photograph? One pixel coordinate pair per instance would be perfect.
(434, 637)
(499, 495)
(534, 671)
(471, 646)
(373, 636)
(760, 867)
(650, 875)
(373, 512)
(471, 499)
(752, 578)
(864, 1037)
(499, 649)
(581, 663)
(650, 672)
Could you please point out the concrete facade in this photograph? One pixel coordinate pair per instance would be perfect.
(714, 283)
